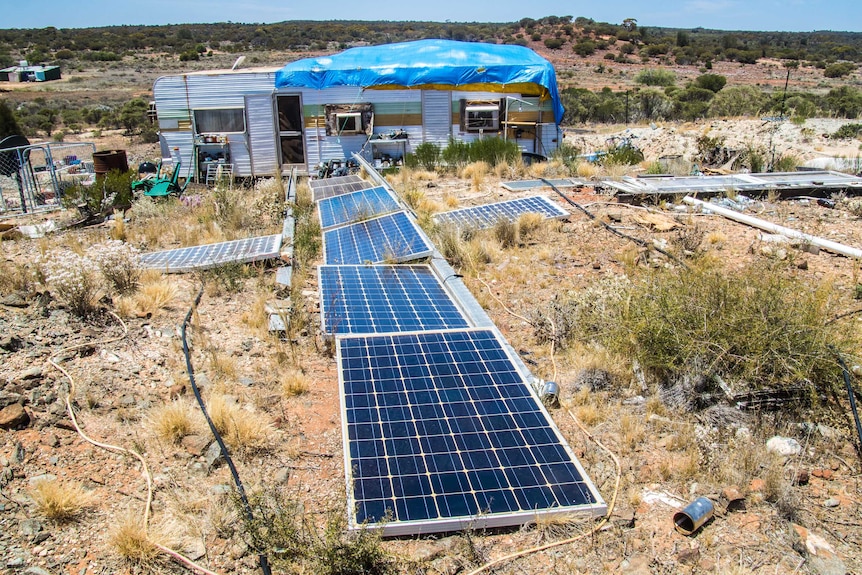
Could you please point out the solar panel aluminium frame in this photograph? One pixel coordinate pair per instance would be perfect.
(434, 308)
(346, 209)
(480, 520)
(209, 256)
(397, 256)
(475, 216)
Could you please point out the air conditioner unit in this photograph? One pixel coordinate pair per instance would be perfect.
(349, 122)
(485, 117)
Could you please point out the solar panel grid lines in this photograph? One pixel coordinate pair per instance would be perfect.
(382, 299)
(348, 208)
(442, 433)
(330, 187)
(212, 255)
(488, 215)
(392, 238)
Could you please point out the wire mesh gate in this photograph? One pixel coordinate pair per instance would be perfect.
(33, 177)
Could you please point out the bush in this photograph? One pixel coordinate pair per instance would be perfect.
(656, 77)
(711, 82)
(847, 131)
(427, 155)
(737, 101)
(756, 327)
(73, 278)
(456, 153)
(839, 69)
(493, 151)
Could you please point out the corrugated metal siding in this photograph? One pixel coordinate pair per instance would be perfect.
(436, 116)
(262, 136)
(240, 156)
(183, 141)
(227, 90)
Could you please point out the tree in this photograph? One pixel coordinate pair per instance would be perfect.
(8, 123)
(630, 24)
(737, 101)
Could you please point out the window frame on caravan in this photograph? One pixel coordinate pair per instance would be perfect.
(475, 108)
(342, 118)
(237, 113)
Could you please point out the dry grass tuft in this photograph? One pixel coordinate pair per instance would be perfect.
(156, 292)
(241, 428)
(529, 224)
(587, 170)
(173, 421)
(60, 501)
(476, 173)
(716, 239)
(257, 318)
(223, 366)
(294, 383)
(131, 541)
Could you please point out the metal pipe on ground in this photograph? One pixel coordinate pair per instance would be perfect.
(821, 243)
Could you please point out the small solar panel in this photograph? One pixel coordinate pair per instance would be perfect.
(391, 238)
(488, 215)
(213, 255)
(329, 187)
(524, 185)
(442, 433)
(347, 208)
(383, 299)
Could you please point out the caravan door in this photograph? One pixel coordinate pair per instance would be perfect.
(291, 138)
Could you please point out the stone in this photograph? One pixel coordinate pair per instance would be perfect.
(30, 527)
(195, 550)
(43, 477)
(822, 558)
(213, 455)
(282, 476)
(196, 444)
(11, 343)
(14, 417)
(37, 570)
(826, 474)
(176, 390)
(831, 502)
(15, 299)
(636, 565)
(32, 373)
(688, 556)
(786, 446)
(15, 562)
(246, 381)
(801, 477)
(50, 440)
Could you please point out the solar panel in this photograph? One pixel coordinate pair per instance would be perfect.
(488, 215)
(442, 433)
(213, 255)
(382, 299)
(391, 238)
(524, 185)
(329, 187)
(340, 210)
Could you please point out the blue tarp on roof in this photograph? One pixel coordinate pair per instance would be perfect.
(433, 64)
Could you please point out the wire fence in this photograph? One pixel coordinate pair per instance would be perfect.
(33, 178)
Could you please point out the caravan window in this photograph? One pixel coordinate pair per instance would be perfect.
(349, 123)
(219, 121)
(482, 116)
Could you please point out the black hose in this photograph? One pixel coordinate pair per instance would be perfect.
(846, 373)
(612, 229)
(262, 559)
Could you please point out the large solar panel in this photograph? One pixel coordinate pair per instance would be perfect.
(488, 215)
(391, 238)
(213, 255)
(442, 433)
(347, 208)
(524, 185)
(329, 187)
(383, 299)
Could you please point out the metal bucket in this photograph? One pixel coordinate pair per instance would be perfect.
(107, 160)
(550, 394)
(693, 516)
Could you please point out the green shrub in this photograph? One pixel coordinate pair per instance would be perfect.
(656, 77)
(755, 327)
(847, 131)
(427, 155)
(456, 153)
(711, 82)
(839, 69)
(737, 101)
(493, 151)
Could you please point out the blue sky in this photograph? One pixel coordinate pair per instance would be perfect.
(783, 15)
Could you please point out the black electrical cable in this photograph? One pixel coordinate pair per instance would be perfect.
(846, 373)
(262, 559)
(612, 229)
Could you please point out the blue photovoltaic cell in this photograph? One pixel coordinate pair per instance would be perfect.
(441, 428)
(340, 210)
(329, 187)
(383, 299)
(488, 215)
(212, 255)
(393, 238)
